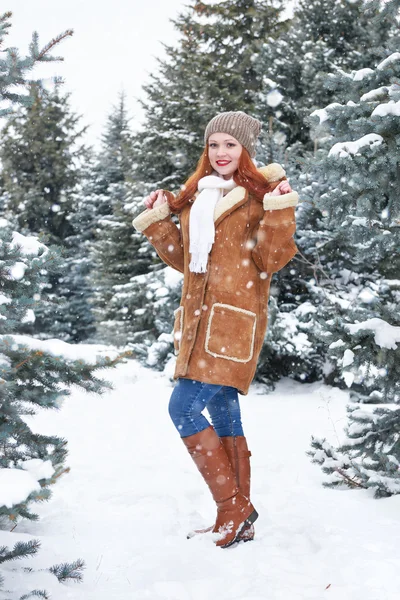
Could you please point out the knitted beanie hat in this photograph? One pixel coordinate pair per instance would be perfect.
(242, 127)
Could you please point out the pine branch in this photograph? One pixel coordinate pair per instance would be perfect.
(54, 42)
(36, 593)
(117, 360)
(66, 571)
(20, 550)
(19, 365)
(4, 26)
(351, 482)
(315, 266)
(66, 470)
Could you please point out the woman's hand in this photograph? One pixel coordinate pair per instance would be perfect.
(155, 199)
(282, 188)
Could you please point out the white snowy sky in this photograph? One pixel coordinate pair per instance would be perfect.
(114, 47)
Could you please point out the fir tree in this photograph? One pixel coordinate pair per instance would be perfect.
(116, 250)
(41, 159)
(325, 35)
(14, 69)
(63, 572)
(362, 205)
(40, 165)
(211, 70)
(31, 376)
(146, 304)
(32, 373)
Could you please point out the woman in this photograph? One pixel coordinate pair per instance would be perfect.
(233, 235)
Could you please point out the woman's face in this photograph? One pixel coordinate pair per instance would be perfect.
(224, 154)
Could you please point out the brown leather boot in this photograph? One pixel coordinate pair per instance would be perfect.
(239, 457)
(235, 512)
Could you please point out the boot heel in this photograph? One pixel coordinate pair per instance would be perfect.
(252, 518)
(247, 523)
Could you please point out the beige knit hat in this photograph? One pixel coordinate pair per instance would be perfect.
(242, 127)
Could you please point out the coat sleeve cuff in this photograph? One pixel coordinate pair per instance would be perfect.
(278, 202)
(150, 216)
(273, 172)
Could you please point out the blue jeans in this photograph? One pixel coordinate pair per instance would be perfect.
(190, 398)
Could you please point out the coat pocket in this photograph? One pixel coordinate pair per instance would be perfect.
(231, 333)
(178, 328)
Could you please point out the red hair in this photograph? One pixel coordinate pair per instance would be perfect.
(246, 175)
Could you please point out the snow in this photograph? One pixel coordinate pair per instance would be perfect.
(367, 296)
(274, 98)
(15, 486)
(322, 113)
(28, 244)
(373, 95)
(133, 493)
(390, 59)
(38, 468)
(298, 339)
(389, 108)
(268, 82)
(361, 74)
(29, 317)
(17, 271)
(360, 221)
(22, 585)
(337, 300)
(348, 377)
(172, 278)
(343, 149)
(386, 335)
(86, 352)
(161, 292)
(348, 357)
(306, 308)
(337, 344)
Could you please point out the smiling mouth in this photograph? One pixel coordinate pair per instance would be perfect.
(223, 163)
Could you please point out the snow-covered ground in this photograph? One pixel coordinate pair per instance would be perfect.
(133, 493)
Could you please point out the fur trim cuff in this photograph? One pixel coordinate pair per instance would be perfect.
(150, 216)
(277, 202)
(273, 172)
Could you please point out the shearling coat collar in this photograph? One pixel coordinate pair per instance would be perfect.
(229, 202)
(239, 194)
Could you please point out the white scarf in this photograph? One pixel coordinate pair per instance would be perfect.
(201, 219)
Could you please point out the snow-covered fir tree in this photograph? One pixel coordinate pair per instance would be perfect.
(41, 157)
(148, 302)
(83, 221)
(15, 83)
(118, 252)
(324, 35)
(39, 170)
(34, 373)
(210, 70)
(63, 572)
(31, 375)
(361, 304)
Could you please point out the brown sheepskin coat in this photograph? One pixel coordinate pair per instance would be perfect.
(220, 324)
